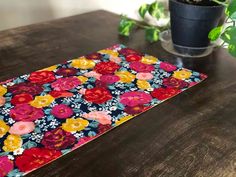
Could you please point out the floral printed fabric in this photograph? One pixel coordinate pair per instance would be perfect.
(50, 112)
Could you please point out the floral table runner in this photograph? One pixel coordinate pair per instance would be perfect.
(50, 112)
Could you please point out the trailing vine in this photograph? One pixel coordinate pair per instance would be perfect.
(154, 10)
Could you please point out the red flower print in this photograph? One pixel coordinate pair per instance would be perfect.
(172, 82)
(133, 57)
(97, 95)
(41, 77)
(105, 80)
(94, 56)
(25, 112)
(62, 111)
(141, 67)
(109, 79)
(59, 94)
(25, 87)
(108, 67)
(35, 157)
(66, 72)
(164, 93)
(21, 98)
(191, 84)
(82, 141)
(58, 139)
(99, 83)
(128, 51)
(103, 128)
(135, 109)
(203, 76)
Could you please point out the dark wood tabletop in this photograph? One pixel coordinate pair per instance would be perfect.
(192, 134)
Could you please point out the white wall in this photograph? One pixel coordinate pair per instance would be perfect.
(14, 13)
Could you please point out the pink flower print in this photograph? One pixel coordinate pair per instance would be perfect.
(167, 67)
(115, 59)
(25, 112)
(135, 98)
(66, 83)
(93, 74)
(62, 111)
(109, 79)
(144, 76)
(101, 116)
(141, 67)
(2, 101)
(6, 166)
(21, 128)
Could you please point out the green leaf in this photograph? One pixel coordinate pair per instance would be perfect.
(156, 10)
(232, 50)
(152, 34)
(233, 16)
(231, 9)
(29, 144)
(143, 9)
(4, 153)
(229, 35)
(215, 33)
(125, 26)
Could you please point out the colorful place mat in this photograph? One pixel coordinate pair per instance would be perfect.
(50, 112)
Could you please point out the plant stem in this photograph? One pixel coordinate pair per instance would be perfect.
(144, 25)
(141, 26)
(219, 2)
(224, 44)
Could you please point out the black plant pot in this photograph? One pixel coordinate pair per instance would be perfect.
(190, 24)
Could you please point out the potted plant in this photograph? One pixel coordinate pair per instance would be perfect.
(193, 23)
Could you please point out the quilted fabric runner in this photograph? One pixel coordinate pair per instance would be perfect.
(50, 112)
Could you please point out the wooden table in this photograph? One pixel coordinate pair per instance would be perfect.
(192, 134)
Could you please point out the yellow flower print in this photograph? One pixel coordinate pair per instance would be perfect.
(123, 119)
(42, 101)
(12, 143)
(82, 79)
(109, 52)
(3, 90)
(144, 85)
(182, 74)
(148, 59)
(83, 63)
(3, 128)
(51, 68)
(125, 76)
(73, 125)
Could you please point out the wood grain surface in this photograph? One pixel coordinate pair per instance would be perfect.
(192, 134)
